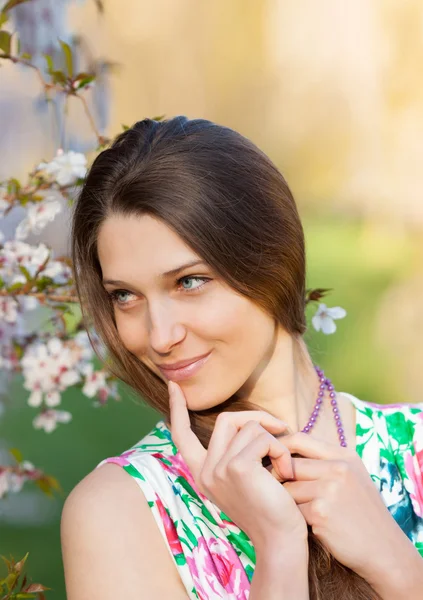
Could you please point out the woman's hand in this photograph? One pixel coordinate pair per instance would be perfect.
(337, 497)
(230, 472)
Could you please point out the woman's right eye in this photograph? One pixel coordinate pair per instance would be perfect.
(120, 297)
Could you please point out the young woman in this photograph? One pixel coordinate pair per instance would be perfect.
(260, 481)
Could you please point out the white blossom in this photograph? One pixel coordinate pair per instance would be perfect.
(16, 253)
(48, 369)
(27, 466)
(37, 216)
(83, 345)
(48, 419)
(8, 309)
(66, 168)
(324, 318)
(4, 484)
(4, 204)
(15, 481)
(94, 381)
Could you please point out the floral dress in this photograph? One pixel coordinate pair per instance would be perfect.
(214, 557)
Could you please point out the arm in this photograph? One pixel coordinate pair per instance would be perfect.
(111, 545)
(398, 575)
(281, 571)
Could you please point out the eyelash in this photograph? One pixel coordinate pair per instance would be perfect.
(114, 295)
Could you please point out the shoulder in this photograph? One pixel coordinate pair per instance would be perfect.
(411, 411)
(398, 425)
(111, 544)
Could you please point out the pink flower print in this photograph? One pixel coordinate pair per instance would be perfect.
(179, 467)
(204, 574)
(217, 571)
(122, 459)
(170, 529)
(414, 470)
(231, 572)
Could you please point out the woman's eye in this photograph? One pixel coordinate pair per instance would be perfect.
(190, 281)
(120, 296)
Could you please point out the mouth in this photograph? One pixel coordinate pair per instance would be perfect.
(184, 372)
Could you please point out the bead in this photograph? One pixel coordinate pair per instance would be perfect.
(325, 382)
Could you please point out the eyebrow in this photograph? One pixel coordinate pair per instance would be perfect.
(166, 275)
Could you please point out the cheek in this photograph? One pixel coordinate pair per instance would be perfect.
(131, 333)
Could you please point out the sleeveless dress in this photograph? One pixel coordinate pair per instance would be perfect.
(215, 559)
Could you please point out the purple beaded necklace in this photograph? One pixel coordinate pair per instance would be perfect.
(325, 382)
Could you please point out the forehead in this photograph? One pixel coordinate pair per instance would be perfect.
(130, 244)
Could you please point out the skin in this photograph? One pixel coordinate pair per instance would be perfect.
(166, 319)
(162, 321)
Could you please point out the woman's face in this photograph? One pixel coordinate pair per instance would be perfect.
(167, 312)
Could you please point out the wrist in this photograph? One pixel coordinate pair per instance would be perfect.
(281, 570)
(282, 548)
(398, 575)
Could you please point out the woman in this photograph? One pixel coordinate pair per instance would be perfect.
(190, 263)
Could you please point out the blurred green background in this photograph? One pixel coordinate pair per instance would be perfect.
(333, 93)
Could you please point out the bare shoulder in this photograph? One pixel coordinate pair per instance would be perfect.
(111, 545)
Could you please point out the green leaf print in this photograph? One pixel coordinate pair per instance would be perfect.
(360, 448)
(207, 514)
(399, 428)
(180, 559)
(134, 472)
(360, 431)
(386, 454)
(250, 572)
(187, 487)
(189, 534)
(242, 542)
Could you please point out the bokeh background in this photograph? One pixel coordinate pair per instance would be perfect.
(332, 91)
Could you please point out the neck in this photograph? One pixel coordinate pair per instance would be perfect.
(285, 383)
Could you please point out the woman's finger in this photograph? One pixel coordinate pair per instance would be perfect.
(227, 426)
(312, 468)
(188, 444)
(250, 431)
(303, 491)
(309, 447)
(263, 445)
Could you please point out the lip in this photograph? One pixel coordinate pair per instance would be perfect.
(184, 369)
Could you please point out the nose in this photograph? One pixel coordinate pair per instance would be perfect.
(165, 328)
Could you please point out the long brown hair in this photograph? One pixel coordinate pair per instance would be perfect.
(231, 205)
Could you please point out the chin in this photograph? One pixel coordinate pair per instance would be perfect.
(202, 397)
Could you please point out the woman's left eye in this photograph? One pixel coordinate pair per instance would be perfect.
(189, 280)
